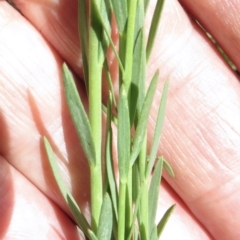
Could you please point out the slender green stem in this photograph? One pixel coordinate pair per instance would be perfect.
(95, 116)
(121, 210)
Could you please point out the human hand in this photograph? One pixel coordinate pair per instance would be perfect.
(201, 129)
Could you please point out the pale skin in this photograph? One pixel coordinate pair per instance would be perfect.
(201, 136)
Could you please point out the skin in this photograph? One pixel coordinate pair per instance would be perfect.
(201, 135)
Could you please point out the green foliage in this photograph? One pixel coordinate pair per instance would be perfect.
(164, 220)
(143, 118)
(154, 26)
(104, 231)
(79, 116)
(123, 208)
(153, 195)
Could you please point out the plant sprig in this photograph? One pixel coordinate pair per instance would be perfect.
(123, 208)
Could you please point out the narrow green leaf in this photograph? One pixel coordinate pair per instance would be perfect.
(168, 167)
(124, 138)
(135, 213)
(104, 231)
(136, 233)
(109, 160)
(120, 9)
(154, 235)
(154, 27)
(137, 88)
(114, 119)
(79, 116)
(109, 81)
(101, 15)
(84, 36)
(135, 181)
(153, 194)
(158, 129)
(139, 23)
(143, 118)
(146, 2)
(161, 225)
(92, 236)
(81, 220)
(139, 56)
(106, 16)
(79, 217)
(108, 35)
(55, 167)
(129, 44)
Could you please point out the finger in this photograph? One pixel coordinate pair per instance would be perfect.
(221, 18)
(32, 106)
(201, 134)
(26, 213)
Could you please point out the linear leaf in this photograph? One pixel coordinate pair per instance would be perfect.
(161, 225)
(158, 129)
(153, 194)
(92, 236)
(104, 231)
(136, 233)
(124, 138)
(79, 217)
(154, 27)
(135, 213)
(83, 34)
(109, 81)
(139, 57)
(135, 181)
(109, 160)
(137, 87)
(154, 235)
(101, 13)
(139, 23)
(146, 2)
(114, 119)
(108, 34)
(82, 222)
(120, 9)
(130, 34)
(168, 167)
(142, 122)
(79, 116)
(106, 16)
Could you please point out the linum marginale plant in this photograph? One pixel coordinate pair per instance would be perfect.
(124, 207)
